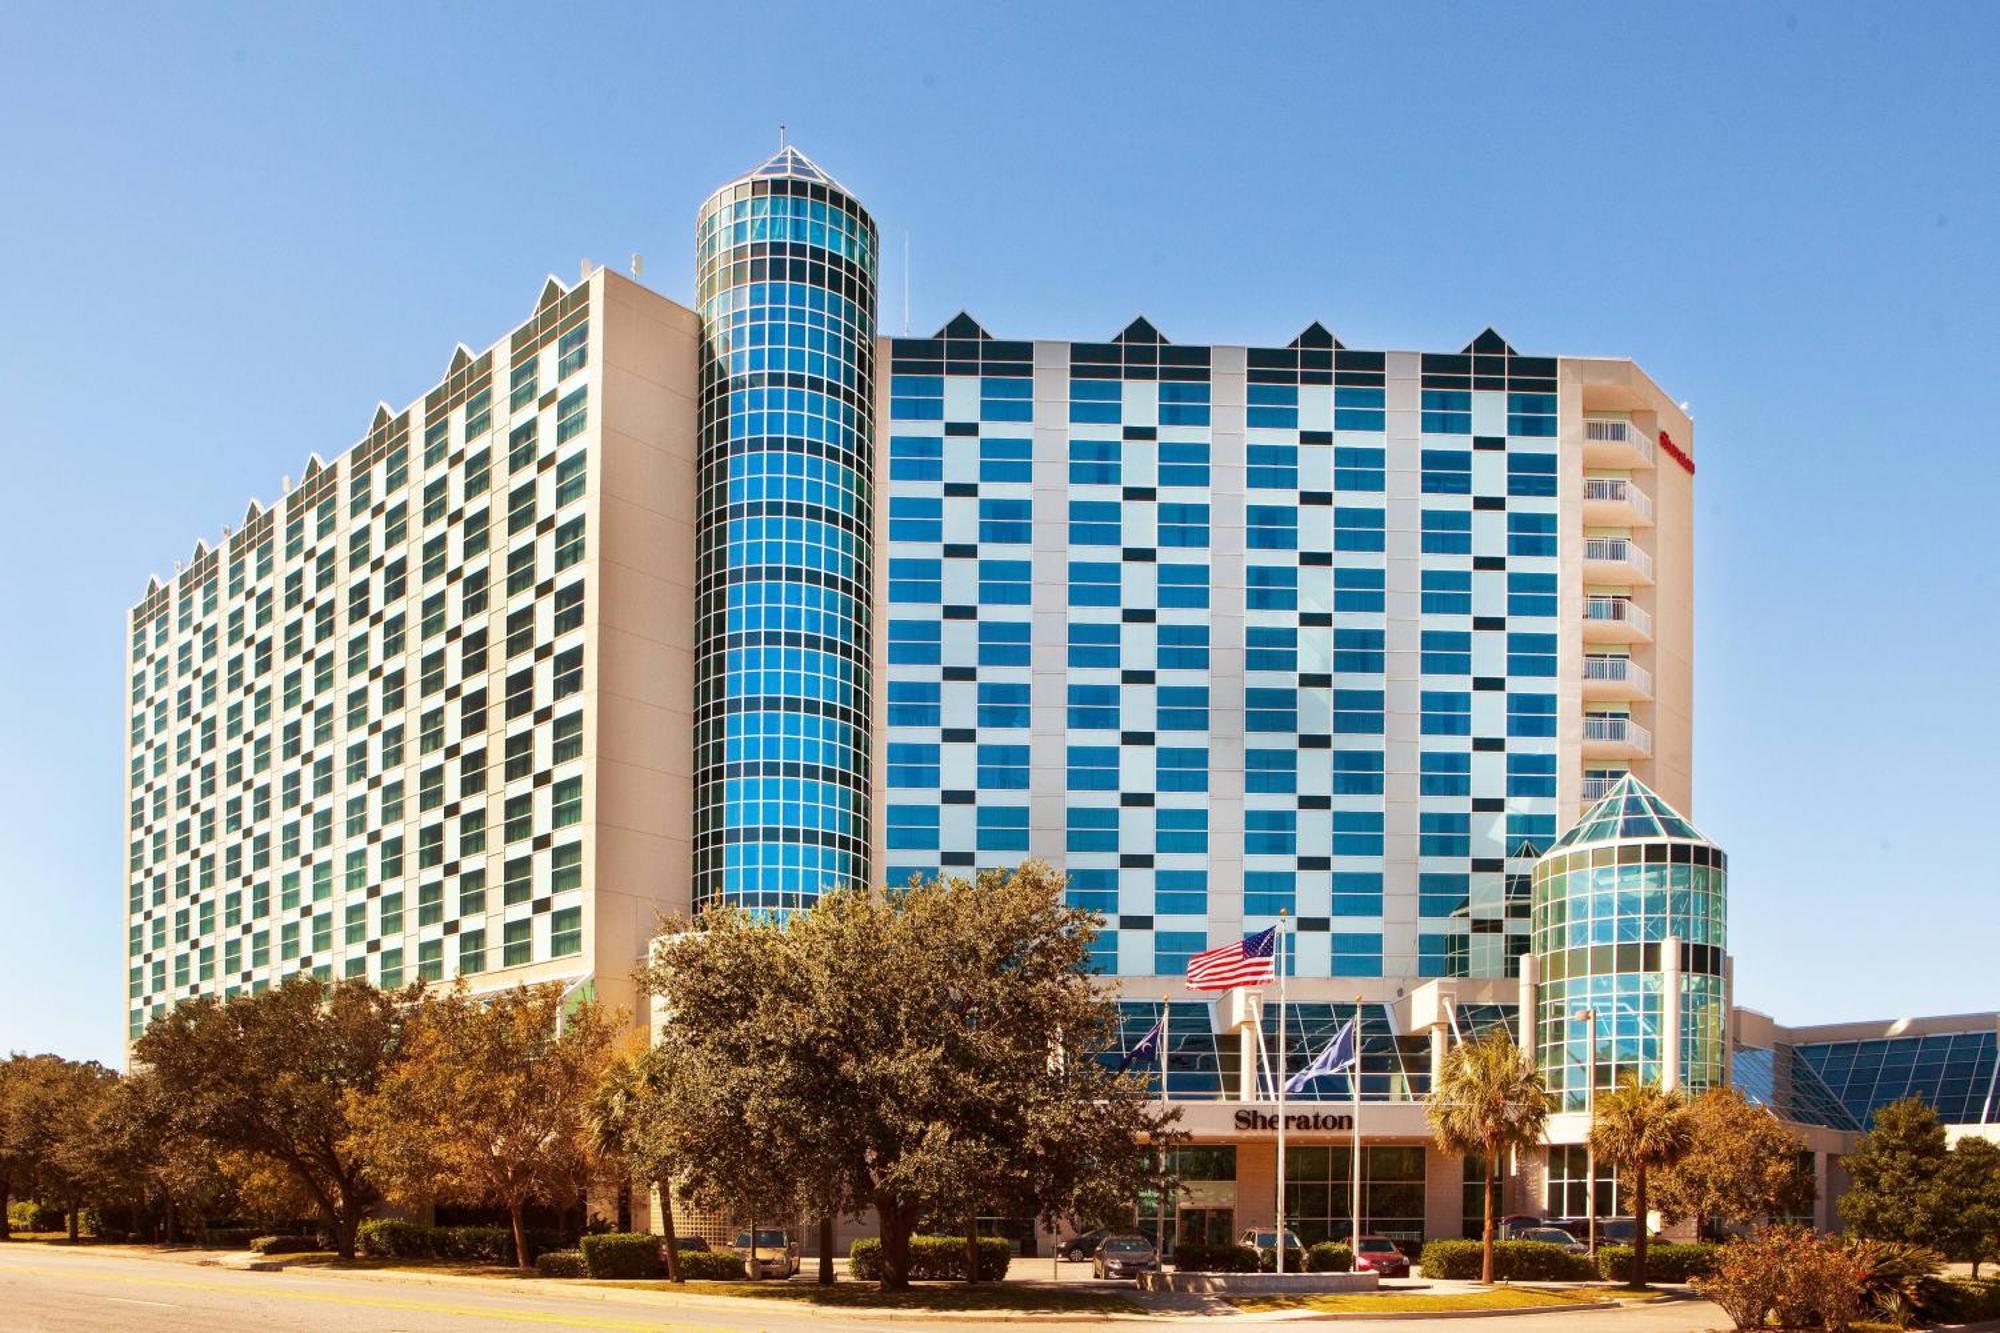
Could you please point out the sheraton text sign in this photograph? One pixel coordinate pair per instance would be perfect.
(1309, 1121)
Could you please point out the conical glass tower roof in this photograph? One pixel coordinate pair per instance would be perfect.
(1630, 809)
(791, 163)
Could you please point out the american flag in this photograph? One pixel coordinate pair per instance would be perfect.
(1244, 962)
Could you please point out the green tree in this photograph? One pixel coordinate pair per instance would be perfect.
(1743, 1166)
(873, 1050)
(616, 1120)
(15, 1170)
(1488, 1100)
(1641, 1128)
(54, 1106)
(1972, 1199)
(274, 1075)
(485, 1103)
(1897, 1178)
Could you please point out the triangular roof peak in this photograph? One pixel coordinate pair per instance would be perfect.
(252, 514)
(382, 417)
(1629, 811)
(1140, 330)
(963, 325)
(790, 163)
(461, 357)
(1490, 342)
(314, 466)
(152, 584)
(200, 550)
(1315, 335)
(552, 292)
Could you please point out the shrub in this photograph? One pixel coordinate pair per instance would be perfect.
(1190, 1257)
(1513, 1260)
(623, 1255)
(487, 1245)
(1894, 1276)
(1803, 1279)
(230, 1238)
(934, 1258)
(560, 1263)
(393, 1238)
(286, 1244)
(1960, 1300)
(31, 1216)
(1664, 1262)
(712, 1265)
(1330, 1256)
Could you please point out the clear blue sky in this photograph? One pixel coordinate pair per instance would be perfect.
(225, 232)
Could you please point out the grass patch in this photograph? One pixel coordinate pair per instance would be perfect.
(996, 1296)
(365, 1263)
(1496, 1298)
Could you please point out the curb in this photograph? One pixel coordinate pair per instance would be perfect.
(1384, 1316)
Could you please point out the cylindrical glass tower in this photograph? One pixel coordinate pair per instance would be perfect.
(1629, 921)
(786, 276)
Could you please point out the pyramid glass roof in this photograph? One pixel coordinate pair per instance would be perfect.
(1630, 809)
(789, 161)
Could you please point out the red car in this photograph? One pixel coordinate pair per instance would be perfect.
(1379, 1255)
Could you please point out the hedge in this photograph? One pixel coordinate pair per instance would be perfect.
(561, 1263)
(1960, 1300)
(1664, 1262)
(1330, 1256)
(393, 1238)
(934, 1258)
(1513, 1260)
(30, 1216)
(1191, 1257)
(623, 1255)
(287, 1245)
(712, 1265)
(230, 1238)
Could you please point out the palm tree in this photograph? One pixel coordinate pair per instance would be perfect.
(1488, 1100)
(1640, 1127)
(614, 1117)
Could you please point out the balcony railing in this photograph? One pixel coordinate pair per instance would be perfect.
(1619, 551)
(1618, 431)
(1618, 671)
(1618, 611)
(1617, 731)
(1619, 491)
(1596, 789)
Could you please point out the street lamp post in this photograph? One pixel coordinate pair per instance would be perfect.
(1589, 1017)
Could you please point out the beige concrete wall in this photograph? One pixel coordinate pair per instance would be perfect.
(640, 616)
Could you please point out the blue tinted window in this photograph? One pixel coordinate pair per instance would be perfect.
(1531, 474)
(1180, 892)
(1447, 532)
(1443, 894)
(1093, 583)
(1531, 715)
(912, 828)
(1357, 408)
(916, 518)
(1177, 830)
(1271, 710)
(1007, 399)
(1356, 954)
(914, 580)
(1531, 414)
(1003, 704)
(1357, 469)
(1183, 403)
(1530, 594)
(1003, 767)
(1357, 893)
(916, 458)
(1182, 708)
(916, 397)
(913, 703)
(1093, 645)
(1271, 587)
(1269, 892)
(1183, 586)
(1092, 829)
(1531, 774)
(1446, 652)
(1272, 467)
(1357, 772)
(913, 765)
(914, 642)
(1181, 768)
(1003, 643)
(1536, 831)
(1094, 463)
(1447, 472)
(1183, 525)
(1357, 529)
(1357, 590)
(1531, 654)
(1005, 583)
(1002, 828)
(1447, 713)
(1357, 712)
(1095, 401)
(1444, 773)
(1444, 833)
(1271, 832)
(1271, 771)
(1182, 463)
(1173, 948)
(1446, 412)
(1006, 521)
(1094, 522)
(1006, 460)
(1271, 648)
(1447, 592)
(1357, 833)
(1357, 650)
(1093, 768)
(1531, 534)
(1182, 647)
(1274, 405)
(1093, 708)
(1271, 527)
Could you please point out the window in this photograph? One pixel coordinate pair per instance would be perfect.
(1357, 712)
(1183, 526)
(1003, 643)
(566, 868)
(568, 676)
(571, 350)
(1358, 590)
(1093, 708)
(1446, 652)
(1531, 714)
(430, 960)
(1093, 829)
(521, 507)
(1274, 406)
(1003, 704)
(1181, 830)
(568, 739)
(1357, 893)
(1173, 948)
(521, 379)
(1357, 833)
(916, 458)
(1183, 586)
(1002, 828)
(1531, 414)
(1531, 474)
(1447, 472)
(518, 943)
(1271, 587)
(566, 806)
(1357, 772)
(471, 952)
(1265, 832)
(914, 703)
(472, 892)
(571, 416)
(912, 828)
(1181, 768)
(1531, 774)
(1273, 772)
(1530, 594)
(1443, 895)
(1447, 592)
(522, 445)
(1093, 768)
(1093, 463)
(1095, 402)
(1005, 582)
(1183, 464)
(1447, 532)
(1269, 892)
(520, 818)
(1092, 645)
(917, 642)
(913, 765)
(1003, 767)
(1267, 709)
(517, 883)
(1182, 708)
(569, 543)
(1006, 522)
(1444, 833)
(1178, 892)
(1093, 583)
(912, 580)
(1356, 469)
(916, 518)
(1357, 955)
(1180, 647)
(1531, 534)
(1358, 650)
(1446, 713)
(1446, 412)
(1276, 527)
(1444, 773)
(1091, 523)
(566, 932)
(1531, 654)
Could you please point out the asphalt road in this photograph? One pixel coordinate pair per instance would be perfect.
(49, 1289)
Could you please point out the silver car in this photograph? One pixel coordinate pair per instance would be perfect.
(1124, 1256)
(777, 1252)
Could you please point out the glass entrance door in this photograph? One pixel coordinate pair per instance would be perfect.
(1206, 1226)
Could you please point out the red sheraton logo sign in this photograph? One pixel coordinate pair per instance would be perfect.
(1675, 452)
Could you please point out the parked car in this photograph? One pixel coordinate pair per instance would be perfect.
(1610, 1230)
(1381, 1256)
(1552, 1236)
(1078, 1248)
(1263, 1238)
(690, 1244)
(1511, 1226)
(777, 1252)
(1124, 1255)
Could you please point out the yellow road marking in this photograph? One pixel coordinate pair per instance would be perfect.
(363, 1302)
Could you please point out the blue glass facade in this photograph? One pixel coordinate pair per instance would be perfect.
(1224, 635)
(786, 291)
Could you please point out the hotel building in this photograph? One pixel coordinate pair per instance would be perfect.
(645, 607)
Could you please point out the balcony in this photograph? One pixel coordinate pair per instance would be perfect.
(1607, 737)
(1609, 677)
(1615, 560)
(1615, 442)
(1596, 789)
(1616, 502)
(1615, 620)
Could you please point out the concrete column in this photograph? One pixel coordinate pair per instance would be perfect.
(1444, 1194)
(1670, 1013)
(1440, 1047)
(1526, 1036)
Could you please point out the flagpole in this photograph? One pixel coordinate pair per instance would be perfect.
(1160, 1189)
(1354, 1162)
(1281, 1080)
